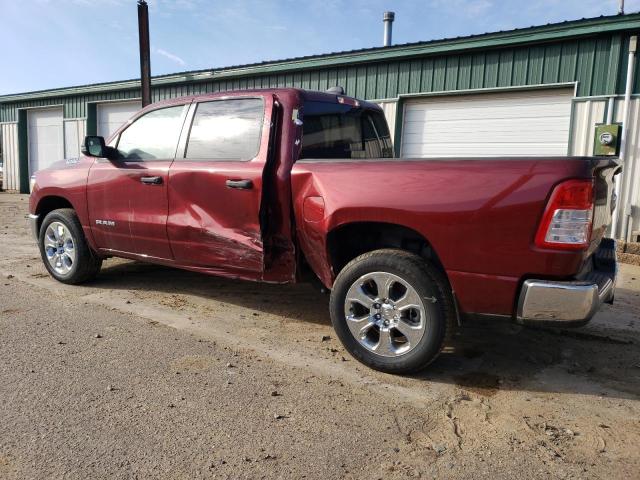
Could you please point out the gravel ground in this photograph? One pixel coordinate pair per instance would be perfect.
(150, 372)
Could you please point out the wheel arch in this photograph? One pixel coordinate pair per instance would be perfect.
(50, 203)
(349, 240)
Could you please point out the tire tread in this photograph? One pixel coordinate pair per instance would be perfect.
(407, 261)
(88, 262)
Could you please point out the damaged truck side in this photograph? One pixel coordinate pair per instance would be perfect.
(285, 185)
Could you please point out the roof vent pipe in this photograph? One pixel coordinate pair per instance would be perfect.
(388, 18)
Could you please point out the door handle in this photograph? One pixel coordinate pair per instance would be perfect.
(240, 184)
(151, 180)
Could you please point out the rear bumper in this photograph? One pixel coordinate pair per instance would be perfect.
(570, 303)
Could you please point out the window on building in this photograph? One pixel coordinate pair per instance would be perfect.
(154, 136)
(226, 130)
(332, 130)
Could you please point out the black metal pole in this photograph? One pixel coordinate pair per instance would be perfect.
(145, 57)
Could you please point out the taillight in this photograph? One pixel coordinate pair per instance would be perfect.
(566, 223)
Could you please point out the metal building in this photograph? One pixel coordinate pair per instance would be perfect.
(533, 91)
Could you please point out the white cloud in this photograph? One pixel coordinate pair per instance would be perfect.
(171, 56)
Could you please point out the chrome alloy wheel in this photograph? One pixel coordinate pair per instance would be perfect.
(385, 314)
(60, 247)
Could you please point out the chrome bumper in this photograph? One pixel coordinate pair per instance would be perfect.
(33, 224)
(570, 303)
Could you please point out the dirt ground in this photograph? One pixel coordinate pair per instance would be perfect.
(150, 372)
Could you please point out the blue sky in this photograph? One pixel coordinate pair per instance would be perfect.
(58, 43)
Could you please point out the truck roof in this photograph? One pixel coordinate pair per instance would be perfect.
(308, 95)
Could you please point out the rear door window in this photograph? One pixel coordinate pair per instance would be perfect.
(332, 130)
(226, 130)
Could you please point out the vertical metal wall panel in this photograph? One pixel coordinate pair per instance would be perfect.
(314, 79)
(11, 168)
(74, 133)
(464, 72)
(633, 159)
(601, 66)
(439, 74)
(341, 77)
(568, 62)
(404, 77)
(520, 66)
(389, 109)
(381, 87)
(505, 73)
(351, 80)
(415, 77)
(491, 69)
(636, 87)
(552, 56)
(536, 65)
(584, 73)
(8, 112)
(372, 81)
(586, 114)
(615, 51)
(477, 70)
(452, 73)
(392, 81)
(361, 81)
(427, 75)
(323, 76)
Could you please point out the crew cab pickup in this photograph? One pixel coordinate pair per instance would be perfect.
(285, 185)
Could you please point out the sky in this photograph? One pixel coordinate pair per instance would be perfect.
(59, 43)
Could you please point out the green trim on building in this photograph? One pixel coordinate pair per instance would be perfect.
(92, 119)
(399, 124)
(23, 151)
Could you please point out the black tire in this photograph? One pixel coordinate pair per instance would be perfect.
(428, 282)
(87, 263)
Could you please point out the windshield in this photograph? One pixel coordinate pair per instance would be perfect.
(334, 130)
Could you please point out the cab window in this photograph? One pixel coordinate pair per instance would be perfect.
(154, 136)
(332, 130)
(227, 130)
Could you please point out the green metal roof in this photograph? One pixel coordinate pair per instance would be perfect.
(523, 36)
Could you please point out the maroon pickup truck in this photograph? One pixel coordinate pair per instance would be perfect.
(286, 185)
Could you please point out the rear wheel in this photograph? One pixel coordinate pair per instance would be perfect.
(64, 249)
(392, 310)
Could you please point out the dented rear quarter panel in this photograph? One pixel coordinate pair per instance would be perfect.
(479, 215)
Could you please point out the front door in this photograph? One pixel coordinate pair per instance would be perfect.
(127, 196)
(215, 186)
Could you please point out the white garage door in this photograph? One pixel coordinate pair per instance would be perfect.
(111, 115)
(46, 140)
(534, 122)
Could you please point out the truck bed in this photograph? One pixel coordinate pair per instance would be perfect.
(479, 215)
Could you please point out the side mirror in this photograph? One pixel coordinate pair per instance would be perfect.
(94, 146)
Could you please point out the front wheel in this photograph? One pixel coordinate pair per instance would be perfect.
(392, 310)
(64, 249)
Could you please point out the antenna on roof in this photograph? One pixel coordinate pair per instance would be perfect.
(337, 90)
